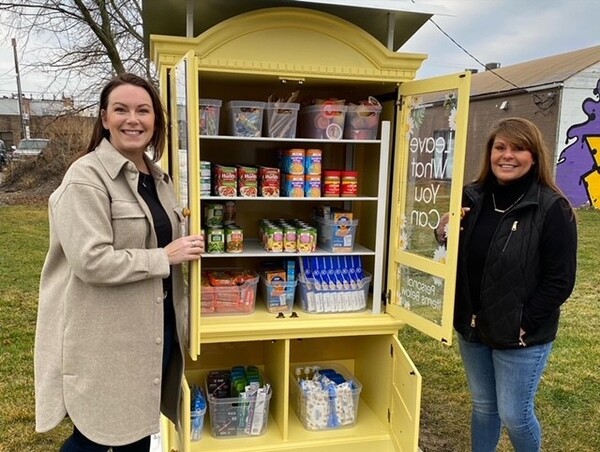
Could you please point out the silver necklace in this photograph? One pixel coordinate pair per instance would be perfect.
(509, 207)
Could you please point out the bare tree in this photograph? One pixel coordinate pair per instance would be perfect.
(84, 42)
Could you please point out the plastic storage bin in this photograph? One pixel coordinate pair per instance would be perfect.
(233, 293)
(278, 295)
(281, 119)
(325, 403)
(210, 110)
(323, 121)
(316, 297)
(235, 416)
(362, 122)
(336, 236)
(245, 118)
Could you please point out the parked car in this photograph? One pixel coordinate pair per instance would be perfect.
(30, 147)
(3, 155)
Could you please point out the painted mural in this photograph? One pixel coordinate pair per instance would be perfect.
(578, 166)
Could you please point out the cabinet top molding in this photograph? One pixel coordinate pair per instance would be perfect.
(290, 41)
(391, 22)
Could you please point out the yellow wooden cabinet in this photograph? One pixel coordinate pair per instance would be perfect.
(409, 176)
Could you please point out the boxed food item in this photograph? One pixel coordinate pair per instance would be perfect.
(324, 121)
(245, 118)
(362, 122)
(281, 119)
(244, 411)
(324, 396)
(330, 284)
(278, 286)
(336, 235)
(318, 298)
(210, 110)
(228, 291)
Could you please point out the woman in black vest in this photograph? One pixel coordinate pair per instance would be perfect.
(517, 262)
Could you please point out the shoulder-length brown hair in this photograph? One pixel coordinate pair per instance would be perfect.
(157, 143)
(523, 133)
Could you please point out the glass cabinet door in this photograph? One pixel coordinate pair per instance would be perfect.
(185, 163)
(428, 180)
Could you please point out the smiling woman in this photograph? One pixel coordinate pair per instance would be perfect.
(112, 283)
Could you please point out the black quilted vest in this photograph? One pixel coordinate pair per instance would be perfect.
(510, 275)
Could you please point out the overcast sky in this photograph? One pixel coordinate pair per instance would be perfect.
(503, 31)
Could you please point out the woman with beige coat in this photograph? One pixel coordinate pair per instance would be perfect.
(112, 315)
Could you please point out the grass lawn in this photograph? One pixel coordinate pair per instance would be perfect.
(568, 400)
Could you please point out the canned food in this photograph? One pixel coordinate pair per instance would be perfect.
(234, 239)
(289, 239)
(213, 214)
(215, 238)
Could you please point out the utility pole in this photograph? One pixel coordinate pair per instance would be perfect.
(24, 131)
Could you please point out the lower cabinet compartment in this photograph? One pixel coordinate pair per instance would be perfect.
(367, 359)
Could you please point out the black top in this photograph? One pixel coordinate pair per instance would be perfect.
(164, 234)
(505, 196)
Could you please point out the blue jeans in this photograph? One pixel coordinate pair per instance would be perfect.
(503, 384)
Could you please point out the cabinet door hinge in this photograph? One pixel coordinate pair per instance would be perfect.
(399, 103)
(385, 297)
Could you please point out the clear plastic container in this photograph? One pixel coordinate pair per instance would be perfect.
(316, 297)
(245, 118)
(210, 110)
(278, 296)
(281, 120)
(230, 297)
(327, 408)
(323, 121)
(336, 236)
(362, 122)
(237, 416)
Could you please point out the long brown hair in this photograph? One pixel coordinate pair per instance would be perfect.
(157, 143)
(523, 133)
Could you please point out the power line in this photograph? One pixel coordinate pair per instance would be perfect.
(538, 101)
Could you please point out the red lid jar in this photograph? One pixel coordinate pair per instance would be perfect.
(349, 183)
(331, 183)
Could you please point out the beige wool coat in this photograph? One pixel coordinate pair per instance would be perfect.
(98, 345)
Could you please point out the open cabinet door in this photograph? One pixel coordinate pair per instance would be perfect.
(184, 142)
(406, 400)
(427, 183)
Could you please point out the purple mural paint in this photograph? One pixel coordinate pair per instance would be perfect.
(576, 160)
